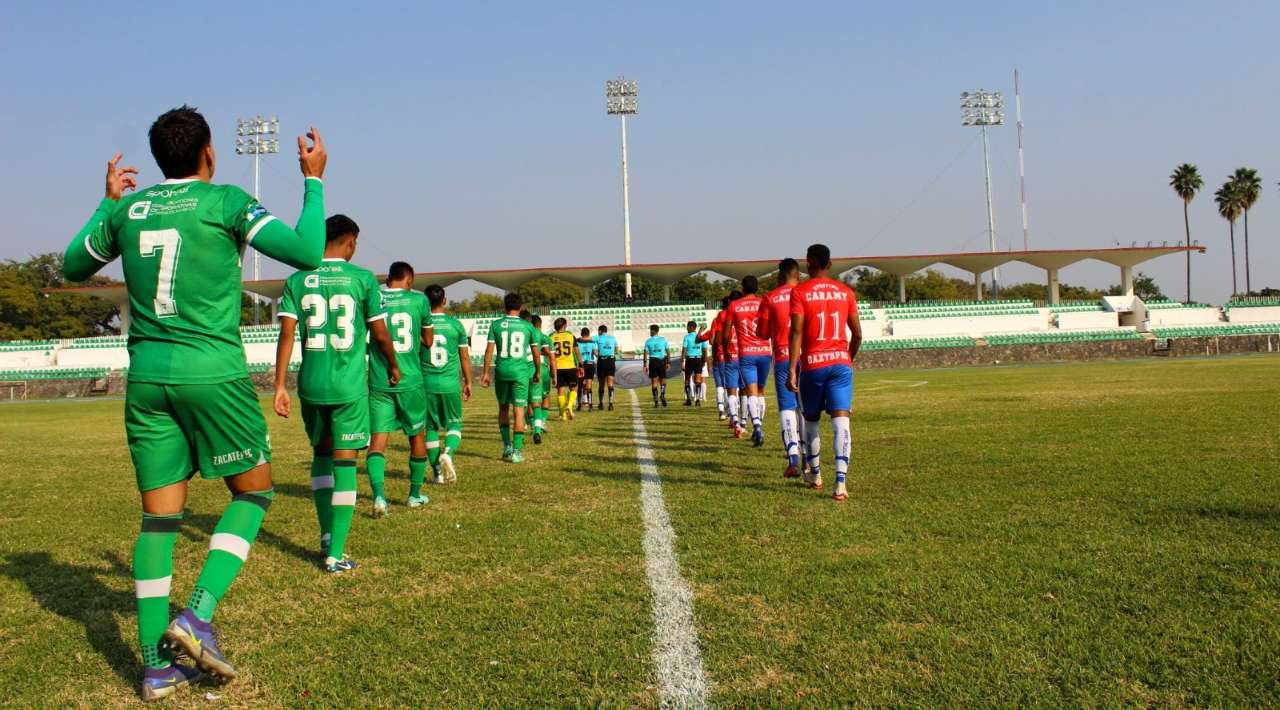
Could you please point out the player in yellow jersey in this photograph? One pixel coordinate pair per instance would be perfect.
(568, 363)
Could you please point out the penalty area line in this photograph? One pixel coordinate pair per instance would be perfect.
(682, 682)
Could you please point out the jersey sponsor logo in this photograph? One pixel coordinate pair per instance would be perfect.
(826, 358)
(139, 210)
(167, 192)
(311, 280)
(826, 295)
(255, 211)
(232, 457)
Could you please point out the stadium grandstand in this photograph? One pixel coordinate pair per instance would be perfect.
(886, 326)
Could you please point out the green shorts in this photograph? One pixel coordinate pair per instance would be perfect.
(402, 410)
(347, 423)
(176, 430)
(444, 411)
(538, 390)
(514, 392)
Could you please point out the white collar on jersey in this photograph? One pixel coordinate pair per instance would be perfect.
(333, 258)
(388, 288)
(179, 181)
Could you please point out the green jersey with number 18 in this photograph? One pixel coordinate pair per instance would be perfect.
(180, 243)
(407, 314)
(333, 305)
(512, 338)
(441, 365)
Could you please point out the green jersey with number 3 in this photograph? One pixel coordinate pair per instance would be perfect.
(180, 243)
(407, 314)
(512, 338)
(441, 364)
(333, 305)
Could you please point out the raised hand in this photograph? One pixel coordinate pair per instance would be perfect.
(120, 179)
(312, 158)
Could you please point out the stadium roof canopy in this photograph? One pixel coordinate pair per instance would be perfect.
(977, 263)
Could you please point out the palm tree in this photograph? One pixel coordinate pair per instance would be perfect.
(1249, 186)
(1186, 182)
(1228, 199)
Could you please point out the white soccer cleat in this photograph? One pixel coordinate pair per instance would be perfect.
(447, 469)
(380, 507)
(840, 495)
(438, 480)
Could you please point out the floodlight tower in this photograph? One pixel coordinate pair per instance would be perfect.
(985, 108)
(257, 137)
(622, 100)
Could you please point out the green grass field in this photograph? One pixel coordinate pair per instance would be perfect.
(1091, 534)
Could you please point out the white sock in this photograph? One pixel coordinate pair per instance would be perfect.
(760, 408)
(812, 443)
(733, 407)
(757, 410)
(843, 445)
(720, 406)
(790, 435)
(744, 406)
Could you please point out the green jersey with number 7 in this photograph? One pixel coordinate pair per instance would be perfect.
(333, 305)
(407, 314)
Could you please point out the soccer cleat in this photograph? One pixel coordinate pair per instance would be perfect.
(815, 480)
(569, 415)
(664, 400)
(438, 479)
(517, 457)
(738, 432)
(791, 472)
(379, 507)
(723, 416)
(537, 438)
(346, 564)
(196, 639)
(757, 438)
(417, 501)
(611, 406)
(688, 402)
(160, 683)
(840, 495)
(697, 403)
(447, 468)
(506, 453)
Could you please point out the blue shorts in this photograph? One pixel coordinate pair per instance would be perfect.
(828, 389)
(717, 370)
(781, 376)
(732, 376)
(754, 369)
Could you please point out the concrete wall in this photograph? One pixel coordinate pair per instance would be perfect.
(26, 359)
(976, 325)
(1088, 320)
(1254, 314)
(1167, 317)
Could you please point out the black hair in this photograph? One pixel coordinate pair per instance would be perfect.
(536, 320)
(724, 303)
(585, 332)
(692, 325)
(435, 295)
(177, 139)
(734, 295)
(819, 254)
(339, 226)
(604, 328)
(560, 323)
(399, 270)
(512, 302)
(750, 284)
(786, 267)
(654, 329)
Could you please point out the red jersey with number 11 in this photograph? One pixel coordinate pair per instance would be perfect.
(826, 305)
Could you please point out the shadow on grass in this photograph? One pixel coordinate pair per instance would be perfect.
(74, 592)
(206, 523)
(1237, 512)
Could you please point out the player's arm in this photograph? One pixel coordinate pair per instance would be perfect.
(855, 332)
(303, 246)
(726, 330)
(464, 359)
(763, 322)
(93, 247)
(284, 353)
(488, 363)
(381, 338)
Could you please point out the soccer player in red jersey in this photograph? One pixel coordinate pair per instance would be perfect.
(825, 336)
(754, 357)
(773, 321)
(719, 360)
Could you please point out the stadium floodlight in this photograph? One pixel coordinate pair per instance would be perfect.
(622, 99)
(984, 108)
(257, 136)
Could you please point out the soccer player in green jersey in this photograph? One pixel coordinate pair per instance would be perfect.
(189, 404)
(446, 372)
(338, 305)
(404, 404)
(511, 339)
(539, 388)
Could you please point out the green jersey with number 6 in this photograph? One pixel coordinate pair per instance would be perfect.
(441, 365)
(333, 305)
(181, 243)
(512, 338)
(407, 314)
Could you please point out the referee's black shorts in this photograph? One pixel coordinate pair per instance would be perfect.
(606, 368)
(693, 366)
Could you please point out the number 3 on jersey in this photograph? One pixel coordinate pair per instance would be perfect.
(343, 308)
(402, 332)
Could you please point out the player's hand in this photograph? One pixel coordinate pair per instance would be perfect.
(120, 179)
(312, 159)
(484, 381)
(282, 403)
(793, 382)
(581, 372)
(393, 375)
(466, 392)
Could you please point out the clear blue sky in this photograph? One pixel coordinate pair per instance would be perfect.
(471, 135)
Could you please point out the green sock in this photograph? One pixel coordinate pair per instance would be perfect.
(344, 505)
(540, 416)
(433, 450)
(152, 574)
(519, 440)
(322, 492)
(417, 474)
(452, 440)
(505, 430)
(376, 463)
(228, 549)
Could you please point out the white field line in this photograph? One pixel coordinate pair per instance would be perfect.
(682, 683)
